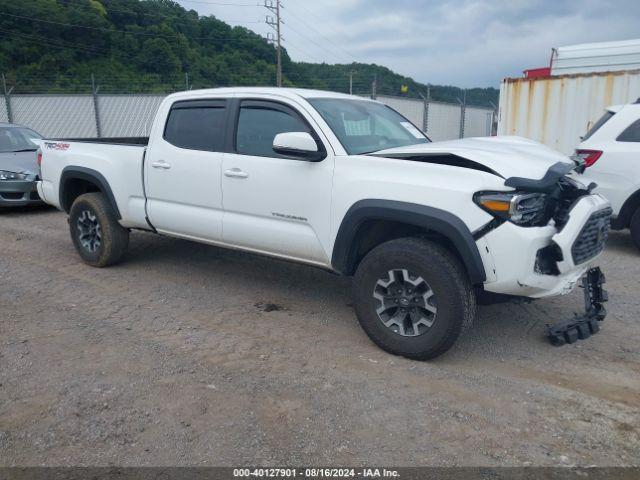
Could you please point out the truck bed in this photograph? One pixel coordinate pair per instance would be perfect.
(116, 162)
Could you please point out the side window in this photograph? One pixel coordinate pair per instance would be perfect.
(258, 124)
(631, 134)
(596, 126)
(196, 125)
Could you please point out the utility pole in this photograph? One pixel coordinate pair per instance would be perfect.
(274, 6)
(186, 80)
(351, 82)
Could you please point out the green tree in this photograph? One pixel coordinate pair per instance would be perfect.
(148, 45)
(156, 56)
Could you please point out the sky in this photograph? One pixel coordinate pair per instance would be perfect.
(466, 43)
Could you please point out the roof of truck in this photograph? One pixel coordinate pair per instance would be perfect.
(283, 92)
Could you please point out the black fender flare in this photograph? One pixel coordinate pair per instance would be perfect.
(73, 172)
(629, 207)
(429, 218)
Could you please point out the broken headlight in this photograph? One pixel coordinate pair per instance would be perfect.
(525, 209)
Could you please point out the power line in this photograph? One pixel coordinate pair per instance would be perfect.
(324, 23)
(133, 12)
(182, 10)
(310, 39)
(319, 33)
(110, 30)
(65, 44)
(298, 49)
(223, 4)
(178, 79)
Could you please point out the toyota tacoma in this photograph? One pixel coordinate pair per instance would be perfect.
(426, 229)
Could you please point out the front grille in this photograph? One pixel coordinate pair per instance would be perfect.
(593, 236)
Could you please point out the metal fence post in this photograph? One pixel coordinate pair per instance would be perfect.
(463, 112)
(96, 106)
(494, 117)
(425, 109)
(7, 99)
(374, 87)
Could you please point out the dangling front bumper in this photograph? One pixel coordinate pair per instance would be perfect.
(582, 327)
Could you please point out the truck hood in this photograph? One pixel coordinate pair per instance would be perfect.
(19, 162)
(507, 156)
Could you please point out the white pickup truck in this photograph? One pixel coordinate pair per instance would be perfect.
(349, 185)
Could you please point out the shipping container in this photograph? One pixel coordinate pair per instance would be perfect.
(596, 57)
(558, 110)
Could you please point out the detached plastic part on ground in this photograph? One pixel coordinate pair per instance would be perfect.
(583, 326)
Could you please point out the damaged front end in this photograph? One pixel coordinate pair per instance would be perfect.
(559, 227)
(557, 212)
(582, 220)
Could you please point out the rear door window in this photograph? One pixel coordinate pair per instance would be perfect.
(596, 126)
(631, 134)
(197, 125)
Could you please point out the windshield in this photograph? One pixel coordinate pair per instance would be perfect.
(15, 139)
(365, 127)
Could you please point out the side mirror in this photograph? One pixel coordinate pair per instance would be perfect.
(298, 145)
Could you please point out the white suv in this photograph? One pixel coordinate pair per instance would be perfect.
(611, 151)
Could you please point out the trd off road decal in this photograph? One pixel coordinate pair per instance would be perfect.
(56, 145)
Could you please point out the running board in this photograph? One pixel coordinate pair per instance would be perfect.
(583, 326)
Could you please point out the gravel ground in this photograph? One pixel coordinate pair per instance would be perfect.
(186, 354)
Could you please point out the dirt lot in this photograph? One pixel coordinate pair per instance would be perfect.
(177, 356)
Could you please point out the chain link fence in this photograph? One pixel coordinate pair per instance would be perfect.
(131, 115)
(444, 121)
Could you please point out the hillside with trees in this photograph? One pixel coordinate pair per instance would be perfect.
(158, 46)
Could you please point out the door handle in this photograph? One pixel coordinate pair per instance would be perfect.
(161, 164)
(235, 173)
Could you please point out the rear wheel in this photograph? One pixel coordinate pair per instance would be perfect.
(412, 297)
(98, 237)
(635, 228)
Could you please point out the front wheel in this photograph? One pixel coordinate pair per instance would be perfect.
(412, 297)
(98, 237)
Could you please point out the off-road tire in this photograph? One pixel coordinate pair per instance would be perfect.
(634, 226)
(114, 238)
(446, 277)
